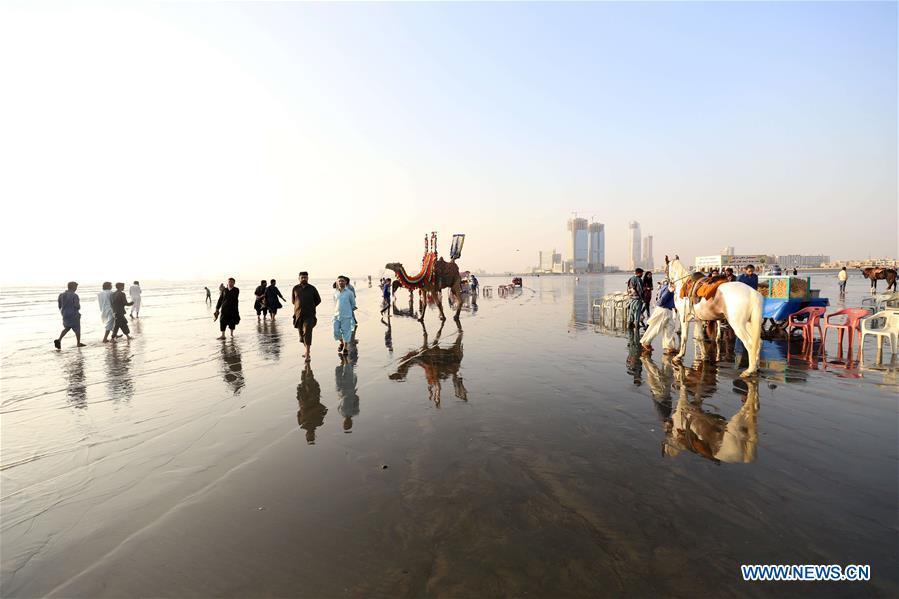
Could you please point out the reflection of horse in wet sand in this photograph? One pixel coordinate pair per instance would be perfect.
(708, 434)
(439, 363)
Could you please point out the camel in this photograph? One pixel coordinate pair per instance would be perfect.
(877, 273)
(439, 363)
(445, 275)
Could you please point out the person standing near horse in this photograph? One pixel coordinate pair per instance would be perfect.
(272, 293)
(70, 307)
(343, 315)
(119, 301)
(305, 298)
(227, 308)
(662, 321)
(647, 291)
(842, 276)
(749, 277)
(635, 292)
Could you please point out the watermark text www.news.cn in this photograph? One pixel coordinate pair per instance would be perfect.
(806, 572)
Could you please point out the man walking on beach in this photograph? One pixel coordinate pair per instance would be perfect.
(134, 292)
(119, 301)
(343, 314)
(227, 308)
(272, 293)
(208, 296)
(842, 276)
(104, 299)
(70, 308)
(635, 292)
(385, 293)
(305, 298)
(259, 305)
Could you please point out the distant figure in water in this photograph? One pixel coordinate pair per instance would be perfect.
(134, 292)
(70, 308)
(259, 304)
(272, 293)
(119, 301)
(208, 296)
(227, 308)
(104, 299)
(795, 272)
(305, 298)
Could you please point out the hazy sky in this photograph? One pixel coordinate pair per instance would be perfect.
(196, 140)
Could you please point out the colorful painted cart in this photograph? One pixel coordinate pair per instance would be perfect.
(785, 295)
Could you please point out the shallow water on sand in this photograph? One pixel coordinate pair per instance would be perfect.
(526, 451)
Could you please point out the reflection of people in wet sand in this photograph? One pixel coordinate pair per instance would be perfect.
(345, 379)
(711, 435)
(118, 370)
(76, 391)
(311, 412)
(660, 379)
(232, 367)
(439, 363)
(388, 334)
(634, 349)
(269, 339)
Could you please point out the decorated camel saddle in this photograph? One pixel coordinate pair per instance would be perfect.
(700, 287)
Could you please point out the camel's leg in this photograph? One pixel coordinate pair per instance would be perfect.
(457, 291)
(440, 304)
(422, 304)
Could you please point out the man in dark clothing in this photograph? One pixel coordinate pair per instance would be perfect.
(259, 305)
(635, 293)
(227, 308)
(305, 298)
(272, 293)
(119, 301)
(385, 292)
(749, 277)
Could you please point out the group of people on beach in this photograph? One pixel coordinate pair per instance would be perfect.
(305, 299)
(112, 311)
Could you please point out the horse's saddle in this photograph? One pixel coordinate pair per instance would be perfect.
(700, 288)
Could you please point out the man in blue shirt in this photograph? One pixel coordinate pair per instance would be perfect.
(662, 321)
(749, 277)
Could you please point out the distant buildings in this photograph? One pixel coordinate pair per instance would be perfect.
(728, 251)
(647, 253)
(550, 261)
(735, 261)
(633, 245)
(577, 227)
(799, 261)
(596, 255)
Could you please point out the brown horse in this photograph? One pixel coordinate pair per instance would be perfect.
(446, 275)
(876, 273)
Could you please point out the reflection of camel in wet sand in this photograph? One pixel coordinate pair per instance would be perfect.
(439, 363)
(711, 435)
(311, 412)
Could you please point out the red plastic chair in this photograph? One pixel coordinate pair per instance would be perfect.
(851, 325)
(812, 316)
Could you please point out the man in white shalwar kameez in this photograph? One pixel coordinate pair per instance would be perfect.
(662, 321)
(106, 314)
(134, 292)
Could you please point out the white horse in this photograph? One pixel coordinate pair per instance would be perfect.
(739, 304)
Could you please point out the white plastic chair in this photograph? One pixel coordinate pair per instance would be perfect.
(889, 329)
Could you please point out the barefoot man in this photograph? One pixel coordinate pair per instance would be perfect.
(227, 308)
(662, 321)
(70, 308)
(305, 298)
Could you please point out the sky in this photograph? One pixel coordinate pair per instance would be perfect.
(197, 140)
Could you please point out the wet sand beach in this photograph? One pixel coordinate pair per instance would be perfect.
(525, 451)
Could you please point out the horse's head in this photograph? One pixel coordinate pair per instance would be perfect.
(394, 266)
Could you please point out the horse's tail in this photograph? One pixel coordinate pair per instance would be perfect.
(755, 322)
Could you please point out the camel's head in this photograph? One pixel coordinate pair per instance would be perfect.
(394, 266)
